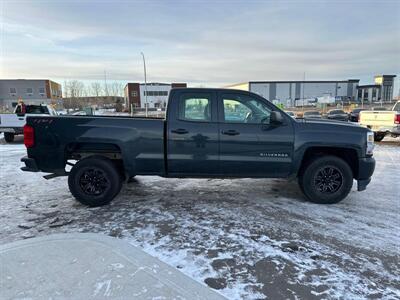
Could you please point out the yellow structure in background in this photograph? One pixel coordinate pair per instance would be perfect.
(239, 86)
(379, 80)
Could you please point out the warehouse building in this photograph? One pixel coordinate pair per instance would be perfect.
(295, 93)
(31, 91)
(155, 93)
(381, 91)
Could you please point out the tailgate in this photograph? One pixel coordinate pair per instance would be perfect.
(377, 118)
(11, 120)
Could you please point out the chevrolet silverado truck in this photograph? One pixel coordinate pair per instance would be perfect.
(12, 124)
(382, 122)
(207, 133)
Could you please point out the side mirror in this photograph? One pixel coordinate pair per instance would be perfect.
(276, 117)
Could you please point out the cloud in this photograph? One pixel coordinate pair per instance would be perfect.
(211, 43)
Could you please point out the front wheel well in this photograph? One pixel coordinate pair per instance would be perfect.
(347, 154)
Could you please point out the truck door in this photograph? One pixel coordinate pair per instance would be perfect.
(249, 144)
(192, 133)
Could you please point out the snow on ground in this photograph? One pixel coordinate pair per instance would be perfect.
(246, 238)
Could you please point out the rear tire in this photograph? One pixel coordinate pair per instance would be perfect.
(9, 137)
(94, 181)
(378, 137)
(326, 180)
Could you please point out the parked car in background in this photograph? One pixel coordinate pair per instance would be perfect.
(337, 114)
(290, 113)
(253, 138)
(355, 114)
(12, 124)
(312, 114)
(382, 122)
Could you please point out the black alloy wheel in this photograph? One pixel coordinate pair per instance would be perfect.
(328, 179)
(93, 181)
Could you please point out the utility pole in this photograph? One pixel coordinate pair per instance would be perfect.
(145, 82)
(304, 86)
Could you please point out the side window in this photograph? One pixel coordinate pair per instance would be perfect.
(235, 111)
(195, 108)
(244, 109)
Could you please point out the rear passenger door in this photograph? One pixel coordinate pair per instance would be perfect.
(192, 133)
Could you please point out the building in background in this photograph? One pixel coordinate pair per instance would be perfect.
(381, 91)
(31, 91)
(295, 93)
(157, 94)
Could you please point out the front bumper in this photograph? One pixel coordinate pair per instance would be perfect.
(386, 129)
(30, 164)
(366, 167)
(395, 130)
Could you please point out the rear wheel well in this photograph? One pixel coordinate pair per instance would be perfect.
(79, 151)
(348, 155)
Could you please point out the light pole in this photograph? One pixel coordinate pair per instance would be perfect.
(304, 86)
(145, 83)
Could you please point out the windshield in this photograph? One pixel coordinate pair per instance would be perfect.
(397, 107)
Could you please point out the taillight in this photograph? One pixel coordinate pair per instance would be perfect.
(397, 119)
(29, 136)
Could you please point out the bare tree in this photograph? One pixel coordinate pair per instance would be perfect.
(116, 89)
(76, 88)
(73, 90)
(64, 89)
(96, 89)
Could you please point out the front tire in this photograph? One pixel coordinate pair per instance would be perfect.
(326, 180)
(9, 137)
(94, 181)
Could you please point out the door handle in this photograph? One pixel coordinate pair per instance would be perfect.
(230, 132)
(179, 131)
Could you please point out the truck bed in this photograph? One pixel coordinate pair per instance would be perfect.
(139, 141)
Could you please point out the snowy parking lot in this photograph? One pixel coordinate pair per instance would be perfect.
(246, 238)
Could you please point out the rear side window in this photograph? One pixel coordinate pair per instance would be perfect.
(195, 107)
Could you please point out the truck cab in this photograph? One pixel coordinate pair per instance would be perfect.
(214, 132)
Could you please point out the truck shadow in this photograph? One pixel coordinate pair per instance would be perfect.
(18, 140)
(210, 190)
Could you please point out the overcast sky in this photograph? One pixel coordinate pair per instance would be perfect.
(210, 43)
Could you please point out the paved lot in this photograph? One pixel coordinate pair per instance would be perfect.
(246, 238)
(90, 266)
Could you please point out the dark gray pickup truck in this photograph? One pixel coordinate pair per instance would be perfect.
(207, 133)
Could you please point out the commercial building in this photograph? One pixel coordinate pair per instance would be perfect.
(157, 94)
(31, 91)
(292, 93)
(381, 91)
